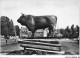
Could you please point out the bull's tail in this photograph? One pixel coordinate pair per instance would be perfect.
(55, 22)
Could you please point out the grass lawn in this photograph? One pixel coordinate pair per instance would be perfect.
(70, 46)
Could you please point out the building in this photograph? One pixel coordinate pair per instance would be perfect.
(25, 33)
(39, 33)
(57, 33)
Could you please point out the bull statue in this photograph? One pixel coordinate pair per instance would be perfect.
(34, 23)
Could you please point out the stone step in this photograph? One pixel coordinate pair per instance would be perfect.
(41, 45)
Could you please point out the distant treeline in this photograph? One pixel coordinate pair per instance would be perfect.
(72, 32)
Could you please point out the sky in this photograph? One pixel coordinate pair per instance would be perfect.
(67, 11)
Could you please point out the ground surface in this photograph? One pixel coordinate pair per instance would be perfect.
(70, 47)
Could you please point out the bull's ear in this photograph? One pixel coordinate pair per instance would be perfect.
(22, 14)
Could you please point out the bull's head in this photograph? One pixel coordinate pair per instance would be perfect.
(24, 19)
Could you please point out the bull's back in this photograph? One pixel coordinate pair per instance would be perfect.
(42, 20)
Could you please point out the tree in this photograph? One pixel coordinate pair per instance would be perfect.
(67, 29)
(77, 30)
(76, 35)
(72, 31)
(17, 29)
(11, 30)
(61, 31)
(6, 26)
(68, 32)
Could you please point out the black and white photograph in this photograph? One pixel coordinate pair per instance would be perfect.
(39, 27)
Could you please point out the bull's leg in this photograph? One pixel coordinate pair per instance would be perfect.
(33, 34)
(49, 35)
(51, 31)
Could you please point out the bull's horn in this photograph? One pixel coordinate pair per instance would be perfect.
(22, 14)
